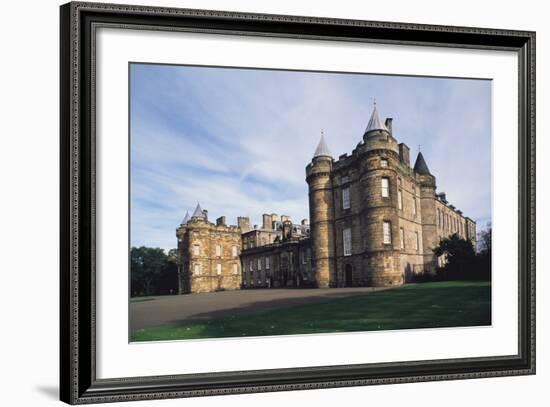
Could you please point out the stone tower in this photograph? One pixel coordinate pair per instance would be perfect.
(379, 185)
(426, 181)
(208, 254)
(321, 214)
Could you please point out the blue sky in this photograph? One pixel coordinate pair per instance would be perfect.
(238, 140)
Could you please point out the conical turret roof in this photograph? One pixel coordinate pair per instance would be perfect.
(322, 148)
(198, 212)
(420, 166)
(186, 218)
(375, 123)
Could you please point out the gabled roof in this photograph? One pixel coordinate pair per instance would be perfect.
(322, 148)
(186, 218)
(420, 166)
(375, 123)
(198, 212)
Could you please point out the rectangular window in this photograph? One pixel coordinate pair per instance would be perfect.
(385, 187)
(197, 250)
(346, 235)
(402, 237)
(197, 268)
(383, 163)
(345, 199)
(259, 264)
(219, 269)
(417, 242)
(235, 269)
(414, 205)
(250, 265)
(234, 251)
(267, 265)
(345, 179)
(218, 250)
(400, 199)
(387, 232)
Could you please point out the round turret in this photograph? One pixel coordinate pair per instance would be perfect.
(321, 214)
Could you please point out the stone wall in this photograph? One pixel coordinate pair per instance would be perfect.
(209, 257)
(282, 264)
(321, 211)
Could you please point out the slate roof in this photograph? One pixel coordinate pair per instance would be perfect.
(420, 166)
(322, 148)
(375, 123)
(186, 218)
(198, 212)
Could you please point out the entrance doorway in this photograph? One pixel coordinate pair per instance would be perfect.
(348, 272)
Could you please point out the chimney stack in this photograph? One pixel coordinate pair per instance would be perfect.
(388, 124)
(243, 223)
(267, 222)
(404, 154)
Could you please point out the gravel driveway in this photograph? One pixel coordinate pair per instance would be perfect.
(173, 309)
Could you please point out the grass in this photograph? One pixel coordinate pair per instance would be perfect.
(427, 305)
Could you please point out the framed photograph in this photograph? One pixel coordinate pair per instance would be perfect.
(255, 203)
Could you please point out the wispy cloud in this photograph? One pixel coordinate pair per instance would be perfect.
(238, 140)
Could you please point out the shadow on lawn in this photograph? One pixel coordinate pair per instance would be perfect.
(263, 305)
(430, 305)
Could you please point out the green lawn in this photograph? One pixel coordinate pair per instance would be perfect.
(427, 305)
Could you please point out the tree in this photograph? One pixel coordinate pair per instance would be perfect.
(146, 264)
(173, 255)
(484, 266)
(485, 240)
(460, 255)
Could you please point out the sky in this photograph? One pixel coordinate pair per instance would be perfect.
(238, 140)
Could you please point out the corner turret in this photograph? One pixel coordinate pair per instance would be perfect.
(321, 214)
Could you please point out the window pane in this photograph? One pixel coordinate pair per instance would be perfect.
(387, 233)
(345, 198)
(400, 199)
(385, 187)
(347, 241)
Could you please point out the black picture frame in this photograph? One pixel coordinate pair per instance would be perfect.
(78, 382)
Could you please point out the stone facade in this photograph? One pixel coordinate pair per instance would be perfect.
(374, 221)
(209, 256)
